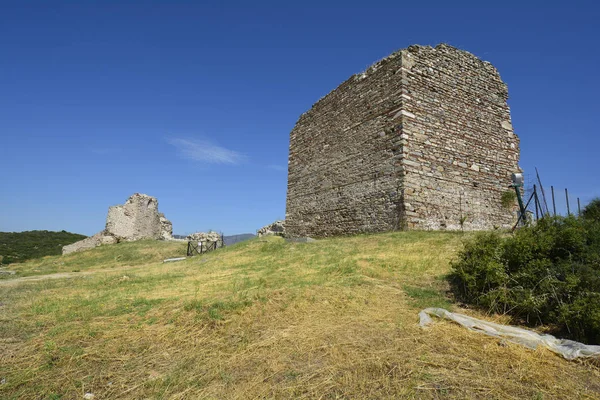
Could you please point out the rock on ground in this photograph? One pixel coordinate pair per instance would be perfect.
(137, 219)
(276, 228)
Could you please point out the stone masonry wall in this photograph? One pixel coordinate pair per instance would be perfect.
(460, 149)
(341, 171)
(422, 139)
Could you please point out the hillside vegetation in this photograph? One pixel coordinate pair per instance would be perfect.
(262, 319)
(22, 246)
(545, 274)
(126, 254)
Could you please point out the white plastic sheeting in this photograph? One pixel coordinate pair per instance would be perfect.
(569, 349)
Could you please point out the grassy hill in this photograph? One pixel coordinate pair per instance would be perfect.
(22, 246)
(233, 239)
(261, 319)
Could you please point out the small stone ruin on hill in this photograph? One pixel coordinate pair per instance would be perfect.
(137, 219)
(276, 228)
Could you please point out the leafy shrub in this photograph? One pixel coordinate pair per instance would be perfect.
(508, 199)
(548, 273)
(591, 212)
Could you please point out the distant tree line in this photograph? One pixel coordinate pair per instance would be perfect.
(21, 246)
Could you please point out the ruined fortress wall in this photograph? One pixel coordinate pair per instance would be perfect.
(342, 174)
(422, 139)
(460, 149)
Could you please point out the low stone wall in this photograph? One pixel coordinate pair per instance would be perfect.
(204, 237)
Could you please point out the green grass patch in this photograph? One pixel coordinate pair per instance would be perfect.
(427, 297)
(217, 310)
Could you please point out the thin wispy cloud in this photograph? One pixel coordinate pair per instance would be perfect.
(205, 151)
(281, 168)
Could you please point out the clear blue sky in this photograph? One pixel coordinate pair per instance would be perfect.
(193, 102)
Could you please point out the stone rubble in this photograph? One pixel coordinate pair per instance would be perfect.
(276, 228)
(204, 237)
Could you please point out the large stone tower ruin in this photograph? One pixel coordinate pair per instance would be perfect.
(421, 140)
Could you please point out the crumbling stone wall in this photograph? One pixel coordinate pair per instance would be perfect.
(276, 228)
(421, 140)
(166, 227)
(99, 239)
(137, 219)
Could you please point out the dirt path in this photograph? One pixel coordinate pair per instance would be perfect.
(59, 275)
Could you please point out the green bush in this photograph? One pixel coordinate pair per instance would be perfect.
(508, 199)
(548, 274)
(591, 212)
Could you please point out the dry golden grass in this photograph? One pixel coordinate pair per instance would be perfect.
(267, 319)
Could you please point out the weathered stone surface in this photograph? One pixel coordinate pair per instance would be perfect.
(137, 219)
(107, 239)
(276, 228)
(421, 140)
(204, 237)
(98, 239)
(166, 228)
